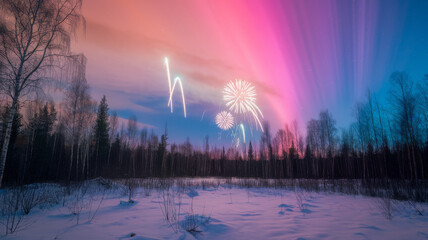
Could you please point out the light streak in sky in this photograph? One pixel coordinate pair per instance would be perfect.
(171, 89)
(203, 114)
(224, 120)
(240, 97)
(241, 126)
(238, 134)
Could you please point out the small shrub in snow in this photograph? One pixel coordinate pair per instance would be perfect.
(170, 210)
(12, 215)
(37, 195)
(191, 224)
(77, 203)
(86, 197)
(417, 207)
(192, 193)
(105, 183)
(386, 206)
(131, 187)
(96, 200)
(29, 200)
(147, 192)
(300, 197)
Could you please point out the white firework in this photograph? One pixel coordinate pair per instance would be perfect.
(224, 120)
(240, 97)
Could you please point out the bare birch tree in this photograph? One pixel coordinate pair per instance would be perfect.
(404, 104)
(77, 103)
(34, 35)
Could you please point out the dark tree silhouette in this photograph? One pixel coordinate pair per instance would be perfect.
(101, 135)
(34, 34)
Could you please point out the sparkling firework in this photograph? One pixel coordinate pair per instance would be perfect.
(171, 89)
(240, 97)
(224, 120)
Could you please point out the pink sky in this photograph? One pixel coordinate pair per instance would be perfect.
(208, 44)
(303, 56)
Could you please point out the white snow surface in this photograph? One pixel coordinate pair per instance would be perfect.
(227, 212)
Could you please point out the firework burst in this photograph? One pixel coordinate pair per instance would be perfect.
(224, 120)
(240, 97)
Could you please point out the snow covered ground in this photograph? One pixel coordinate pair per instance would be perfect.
(222, 212)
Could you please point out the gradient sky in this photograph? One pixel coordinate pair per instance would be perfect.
(304, 56)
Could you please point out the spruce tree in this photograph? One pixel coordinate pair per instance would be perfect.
(292, 152)
(39, 129)
(250, 152)
(308, 153)
(101, 136)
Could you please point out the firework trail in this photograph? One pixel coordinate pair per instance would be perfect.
(171, 89)
(239, 133)
(240, 97)
(241, 126)
(237, 143)
(224, 120)
(203, 114)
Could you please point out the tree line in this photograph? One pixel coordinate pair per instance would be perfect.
(77, 138)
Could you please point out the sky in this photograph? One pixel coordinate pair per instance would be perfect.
(302, 56)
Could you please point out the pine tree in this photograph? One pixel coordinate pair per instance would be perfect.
(292, 152)
(162, 151)
(308, 153)
(101, 136)
(292, 156)
(250, 152)
(40, 128)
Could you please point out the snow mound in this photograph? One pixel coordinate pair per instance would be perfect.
(192, 193)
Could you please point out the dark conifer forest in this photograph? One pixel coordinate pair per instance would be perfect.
(78, 139)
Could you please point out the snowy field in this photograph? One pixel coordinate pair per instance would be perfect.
(218, 211)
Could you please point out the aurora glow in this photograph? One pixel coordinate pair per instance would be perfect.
(302, 56)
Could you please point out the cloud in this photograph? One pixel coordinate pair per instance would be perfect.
(129, 66)
(120, 100)
(140, 125)
(110, 38)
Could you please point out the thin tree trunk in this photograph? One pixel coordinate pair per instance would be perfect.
(109, 152)
(7, 137)
(96, 158)
(87, 160)
(53, 149)
(71, 157)
(384, 144)
(77, 159)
